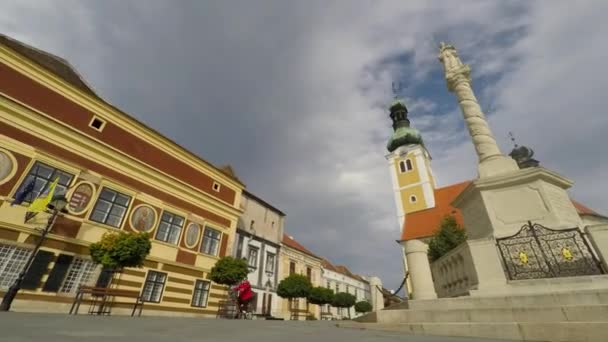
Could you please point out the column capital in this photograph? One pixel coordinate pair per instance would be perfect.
(455, 76)
(415, 246)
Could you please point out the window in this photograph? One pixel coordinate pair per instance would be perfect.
(337, 287)
(111, 208)
(201, 293)
(308, 273)
(153, 288)
(270, 261)
(292, 267)
(408, 165)
(347, 289)
(402, 166)
(252, 257)
(97, 124)
(239, 247)
(12, 261)
(43, 175)
(169, 228)
(211, 241)
(251, 224)
(328, 285)
(80, 273)
(216, 186)
(413, 199)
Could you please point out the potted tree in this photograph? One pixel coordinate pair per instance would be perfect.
(292, 288)
(115, 251)
(321, 296)
(363, 307)
(344, 300)
(228, 271)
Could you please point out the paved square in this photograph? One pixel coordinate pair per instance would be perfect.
(25, 327)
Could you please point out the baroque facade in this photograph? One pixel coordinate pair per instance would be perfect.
(297, 259)
(118, 175)
(341, 279)
(258, 239)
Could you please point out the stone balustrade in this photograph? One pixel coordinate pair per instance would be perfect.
(453, 273)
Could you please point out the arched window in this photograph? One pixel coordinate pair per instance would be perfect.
(413, 199)
(402, 166)
(408, 164)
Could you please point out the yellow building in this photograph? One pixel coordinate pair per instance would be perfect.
(118, 175)
(296, 259)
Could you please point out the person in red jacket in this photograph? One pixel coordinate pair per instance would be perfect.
(245, 294)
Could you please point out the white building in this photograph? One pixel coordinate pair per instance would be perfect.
(340, 279)
(258, 239)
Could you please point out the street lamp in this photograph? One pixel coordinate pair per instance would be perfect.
(56, 206)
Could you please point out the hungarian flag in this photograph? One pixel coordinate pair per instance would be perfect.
(40, 203)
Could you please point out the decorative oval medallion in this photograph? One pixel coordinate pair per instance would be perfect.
(192, 234)
(81, 198)
(7, 166)
(143, 218)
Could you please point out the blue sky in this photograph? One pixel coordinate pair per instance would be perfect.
(291, 94)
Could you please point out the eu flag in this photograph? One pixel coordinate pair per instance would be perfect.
(22, 195)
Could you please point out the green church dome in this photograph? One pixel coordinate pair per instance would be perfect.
(403, 134)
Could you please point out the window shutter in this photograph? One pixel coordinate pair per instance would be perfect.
(55, 279)
(224, 245)
(37, 270)
(105, 277)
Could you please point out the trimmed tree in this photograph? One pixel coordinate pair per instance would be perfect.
(320, 296)
(448, 235)
(293, 287)
(229, 271)
(115, 251)
(344, 300)
(363, 307)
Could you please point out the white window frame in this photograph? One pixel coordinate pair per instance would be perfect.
(253, 261)
(171, 228)
(85, 271)
(12, 261)
(112, 204)
(218, 241)
(202, 299)
(272, 267)
(153, 283)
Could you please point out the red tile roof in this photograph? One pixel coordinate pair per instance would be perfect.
(424, 223)
(290, 242)
(328, 265)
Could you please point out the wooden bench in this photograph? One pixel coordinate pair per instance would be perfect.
(103, 298)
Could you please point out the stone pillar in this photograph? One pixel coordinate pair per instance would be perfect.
(376, 295)
(458, 77)
(420, 270)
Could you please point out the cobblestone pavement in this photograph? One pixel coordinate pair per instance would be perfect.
(25, 327)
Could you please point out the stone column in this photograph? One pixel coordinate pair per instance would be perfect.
(420, 270)
(458, 78)
(376, 295)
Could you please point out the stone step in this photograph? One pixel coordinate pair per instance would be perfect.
(523, 331)
(588, 297)
(570, 313)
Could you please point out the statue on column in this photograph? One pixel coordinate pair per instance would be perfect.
(449, 57)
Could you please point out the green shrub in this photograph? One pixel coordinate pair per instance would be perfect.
(320, 296)
(229, 271)
(363, 307)
(448, 235)
(121, 249)
(294, 286)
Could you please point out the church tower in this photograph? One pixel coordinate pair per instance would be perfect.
(409, 165)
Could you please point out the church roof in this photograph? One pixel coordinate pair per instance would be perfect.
(423, 223)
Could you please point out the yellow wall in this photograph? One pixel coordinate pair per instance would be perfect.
(181, 277)
(409, 177)
(420, 200)
(302, 261)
